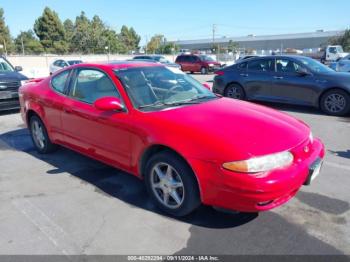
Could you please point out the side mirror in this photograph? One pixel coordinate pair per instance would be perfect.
(109, 104)
(207, 86)
(18, 68)
(302, 71)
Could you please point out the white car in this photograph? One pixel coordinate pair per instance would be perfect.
(60, 63)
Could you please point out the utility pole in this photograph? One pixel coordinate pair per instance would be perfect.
(22, 45)
(217, 51)
(5, 47)
(214, 31)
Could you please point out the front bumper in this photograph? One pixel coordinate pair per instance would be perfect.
(249, 193)
(9, 104)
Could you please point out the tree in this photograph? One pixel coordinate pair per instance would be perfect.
(232, 46)
(155, 44)
(81, 38)
(50, 31)
(5, 37)
(343, 40)
(27, 41)
(69, 33)
(129, 38)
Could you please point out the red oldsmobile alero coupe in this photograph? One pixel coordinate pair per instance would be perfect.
(161, 125)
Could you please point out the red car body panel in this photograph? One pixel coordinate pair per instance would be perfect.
(206, 135)
(198, 64)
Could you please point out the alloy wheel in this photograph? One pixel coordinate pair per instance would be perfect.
(335, 103)
(167, 185)
(234, 92)
(38, 134)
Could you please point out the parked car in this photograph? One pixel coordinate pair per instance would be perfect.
(158, 59)
(197, 63)
(286, 79)
(10, 81)
(60, 63)
(343, 65)
(161, 125)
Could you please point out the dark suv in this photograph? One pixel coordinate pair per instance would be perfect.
(197, 63)
(10, 81)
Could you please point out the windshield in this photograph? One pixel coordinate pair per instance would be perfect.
(5, 66)
(74, 62)
(161, 59)
(207, 58)
(340, 49)
(157, 87)
(315, 66)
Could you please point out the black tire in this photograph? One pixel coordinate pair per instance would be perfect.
(47, 146)
(235, 91)
(190, 195)
(192, 72)
(204, 70)
(339, 108)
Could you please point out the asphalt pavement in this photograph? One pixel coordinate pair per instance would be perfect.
(66, 204)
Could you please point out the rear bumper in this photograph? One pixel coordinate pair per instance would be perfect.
(248, 193)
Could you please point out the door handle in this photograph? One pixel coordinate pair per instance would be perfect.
(244, 75)
(278, 77)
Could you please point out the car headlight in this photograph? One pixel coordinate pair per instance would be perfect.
(23, 82)
(261, 163)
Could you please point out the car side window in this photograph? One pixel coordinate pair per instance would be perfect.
(91, 84)
(287, 66)
(58, 82)
(261, 65)
(242, 66)
(56, 63)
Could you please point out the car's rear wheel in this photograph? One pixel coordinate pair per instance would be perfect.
(335, 102)
(171, 184)
(204, 70)
(234, 91)
(40, 137)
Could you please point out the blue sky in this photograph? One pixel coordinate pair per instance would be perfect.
(181, 19)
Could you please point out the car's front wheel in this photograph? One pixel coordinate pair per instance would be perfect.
(335, 102)
(234, 91)
(40, 137)
(171, 184)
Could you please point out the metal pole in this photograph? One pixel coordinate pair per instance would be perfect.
(22, 46)
(5, 47)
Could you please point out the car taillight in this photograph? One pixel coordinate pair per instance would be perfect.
(219, 73)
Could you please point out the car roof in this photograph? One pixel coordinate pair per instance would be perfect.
(118, 64)
(273, 57)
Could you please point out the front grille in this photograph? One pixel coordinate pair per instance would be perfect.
(9, 85)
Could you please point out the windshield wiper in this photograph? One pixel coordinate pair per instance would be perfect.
(158, 103)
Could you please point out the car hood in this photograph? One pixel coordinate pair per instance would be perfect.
(231, 128)
(12, 76)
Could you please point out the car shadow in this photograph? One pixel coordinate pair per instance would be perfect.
(114, 183)
(9, 112)
(344, 154)
(292, 108)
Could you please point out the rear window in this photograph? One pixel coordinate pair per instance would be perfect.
(180, 59)
(264, 65)
(59, 82)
